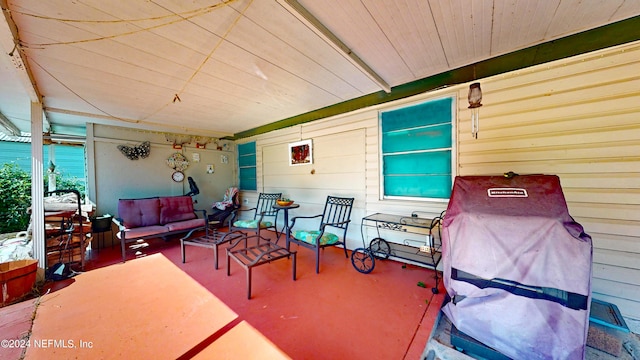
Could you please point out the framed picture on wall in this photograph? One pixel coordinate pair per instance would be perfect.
(300, 153)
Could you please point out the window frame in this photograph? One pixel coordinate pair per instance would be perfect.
(453, 148)
(254, 165)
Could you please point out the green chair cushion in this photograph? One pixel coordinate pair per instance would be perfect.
(251, 224)
(310, 237)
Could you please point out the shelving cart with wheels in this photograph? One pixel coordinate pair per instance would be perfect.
(425, 252)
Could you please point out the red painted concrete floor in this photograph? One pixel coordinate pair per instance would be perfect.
(337, 314)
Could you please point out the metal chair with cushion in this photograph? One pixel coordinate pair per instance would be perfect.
(262, 215)
(237, 229)
(336, 215)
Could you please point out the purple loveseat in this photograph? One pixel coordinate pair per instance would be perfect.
(156, 217)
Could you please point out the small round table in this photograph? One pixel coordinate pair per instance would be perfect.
(286, 208)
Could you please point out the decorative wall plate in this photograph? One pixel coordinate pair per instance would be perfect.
(178, 162)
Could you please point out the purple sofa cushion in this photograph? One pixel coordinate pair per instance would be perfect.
(142, 232)
(185, 225)
(139, 212)
(176, 208)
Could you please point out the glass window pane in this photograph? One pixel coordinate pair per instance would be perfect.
(248, 178)
(247, 166)
(432, 137)
(417, 148)
(434, 186)
(247, 160)
(438, 162)
(428, 113)
(247, 148)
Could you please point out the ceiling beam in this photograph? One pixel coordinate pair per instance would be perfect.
(302, 14)
(10, 46)
(11, 128)
(136, 124)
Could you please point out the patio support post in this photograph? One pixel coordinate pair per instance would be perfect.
(37, 188)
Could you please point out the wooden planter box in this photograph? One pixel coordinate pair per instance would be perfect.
(17, 279)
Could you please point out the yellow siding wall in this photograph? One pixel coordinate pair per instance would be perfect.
(578, 118)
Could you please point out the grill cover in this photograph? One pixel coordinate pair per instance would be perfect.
(517, 266)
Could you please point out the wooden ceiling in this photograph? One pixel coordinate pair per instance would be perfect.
(222, 68)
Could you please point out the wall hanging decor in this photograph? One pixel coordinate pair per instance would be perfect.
(300, 153)
(136, 152)
(178, 141)
(178, 162)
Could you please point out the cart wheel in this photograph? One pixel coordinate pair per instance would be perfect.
(380, 248)
(362, 260)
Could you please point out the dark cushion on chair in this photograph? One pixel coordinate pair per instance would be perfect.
(176, 208)
(139, 212)
(310, 237)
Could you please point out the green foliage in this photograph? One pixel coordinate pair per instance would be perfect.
(65, 183)
(15, 195)
(15, 198)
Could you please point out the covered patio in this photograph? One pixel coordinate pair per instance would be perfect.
(218, 82)
(338, 314)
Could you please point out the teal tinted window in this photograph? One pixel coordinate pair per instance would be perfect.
(69, 160)
(416, 144)
(423, 138)
(247, 166)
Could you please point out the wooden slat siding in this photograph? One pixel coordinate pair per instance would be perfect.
(577, 119)
(623, 212)
(623, 259)
(615, 273)
(621, 288)
(339, 164)
(615, 242)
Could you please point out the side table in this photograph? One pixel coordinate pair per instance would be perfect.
(285, 208)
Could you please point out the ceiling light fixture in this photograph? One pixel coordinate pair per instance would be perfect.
(475, 99)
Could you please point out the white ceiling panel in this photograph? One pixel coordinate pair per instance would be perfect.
(571, 16)
(464, 29)
(225, 67)
(410, 28)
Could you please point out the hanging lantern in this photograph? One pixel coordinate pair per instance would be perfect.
(475, 99)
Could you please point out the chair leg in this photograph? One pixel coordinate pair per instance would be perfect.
(215, 257)
(344, 246)
(294, 265)
(228, 263)
(182, 251)
(123, 248)
(249, 283)
(317, 260)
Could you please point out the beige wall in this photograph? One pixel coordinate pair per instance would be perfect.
(112, 176)
(578, 118)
